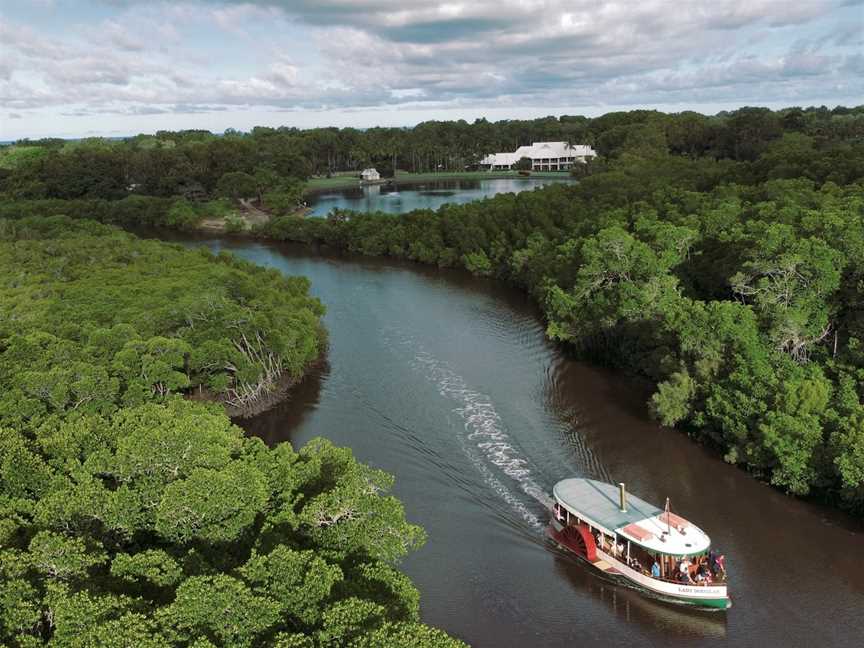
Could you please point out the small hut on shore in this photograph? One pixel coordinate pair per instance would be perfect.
(370, 175)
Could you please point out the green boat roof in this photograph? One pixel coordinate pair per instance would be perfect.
(598, 501)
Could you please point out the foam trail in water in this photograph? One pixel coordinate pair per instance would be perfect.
(485, 443)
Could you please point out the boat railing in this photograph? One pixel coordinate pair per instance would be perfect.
(715, 581)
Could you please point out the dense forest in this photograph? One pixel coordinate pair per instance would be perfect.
(720, 256)
(129, 317)
(732, 277)
(131, 515)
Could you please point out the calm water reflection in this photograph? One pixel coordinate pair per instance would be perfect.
(448, 382)
(397, 199)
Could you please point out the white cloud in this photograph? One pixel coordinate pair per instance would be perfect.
(232, 17)
(154, 58)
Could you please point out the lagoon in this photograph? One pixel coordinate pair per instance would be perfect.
(398, 198)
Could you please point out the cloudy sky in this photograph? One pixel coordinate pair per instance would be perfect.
(74, 68)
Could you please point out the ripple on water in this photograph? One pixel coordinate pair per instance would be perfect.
(484, 440)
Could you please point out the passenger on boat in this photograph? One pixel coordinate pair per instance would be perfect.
(655, 570)
(603, 544)
(684, 571)
(717, 563)
(559, 514)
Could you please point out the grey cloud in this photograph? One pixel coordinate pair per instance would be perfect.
(851, 35)
(439, 31)
(854, 66)
(398, 19)
(143, 109)
(485, 52)
(86, 72)
(119, 36)
(194, 108)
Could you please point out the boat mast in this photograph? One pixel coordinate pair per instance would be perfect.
(668, 523)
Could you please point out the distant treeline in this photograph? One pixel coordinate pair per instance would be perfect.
(192, 163)
(735, 283)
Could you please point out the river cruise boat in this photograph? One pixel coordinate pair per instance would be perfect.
(631, 540)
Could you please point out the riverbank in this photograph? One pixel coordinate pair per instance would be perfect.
(242, 221)
(280, 392)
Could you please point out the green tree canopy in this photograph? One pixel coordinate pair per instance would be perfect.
(131, 515)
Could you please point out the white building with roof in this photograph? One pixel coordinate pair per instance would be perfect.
(370, 175)
(544, 156)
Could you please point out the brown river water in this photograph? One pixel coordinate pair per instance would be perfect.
(447, 382)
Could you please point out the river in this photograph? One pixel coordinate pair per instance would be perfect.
(447, 382)
(404, 197)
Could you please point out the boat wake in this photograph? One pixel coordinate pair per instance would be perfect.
(485, 442)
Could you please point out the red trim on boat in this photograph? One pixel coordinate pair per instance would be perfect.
(674, 520)
(588, 539)
(635, 531)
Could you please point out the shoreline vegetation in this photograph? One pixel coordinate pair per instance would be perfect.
(279, 392)
(131, 515)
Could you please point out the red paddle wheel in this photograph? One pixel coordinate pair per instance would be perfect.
(577, 539)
